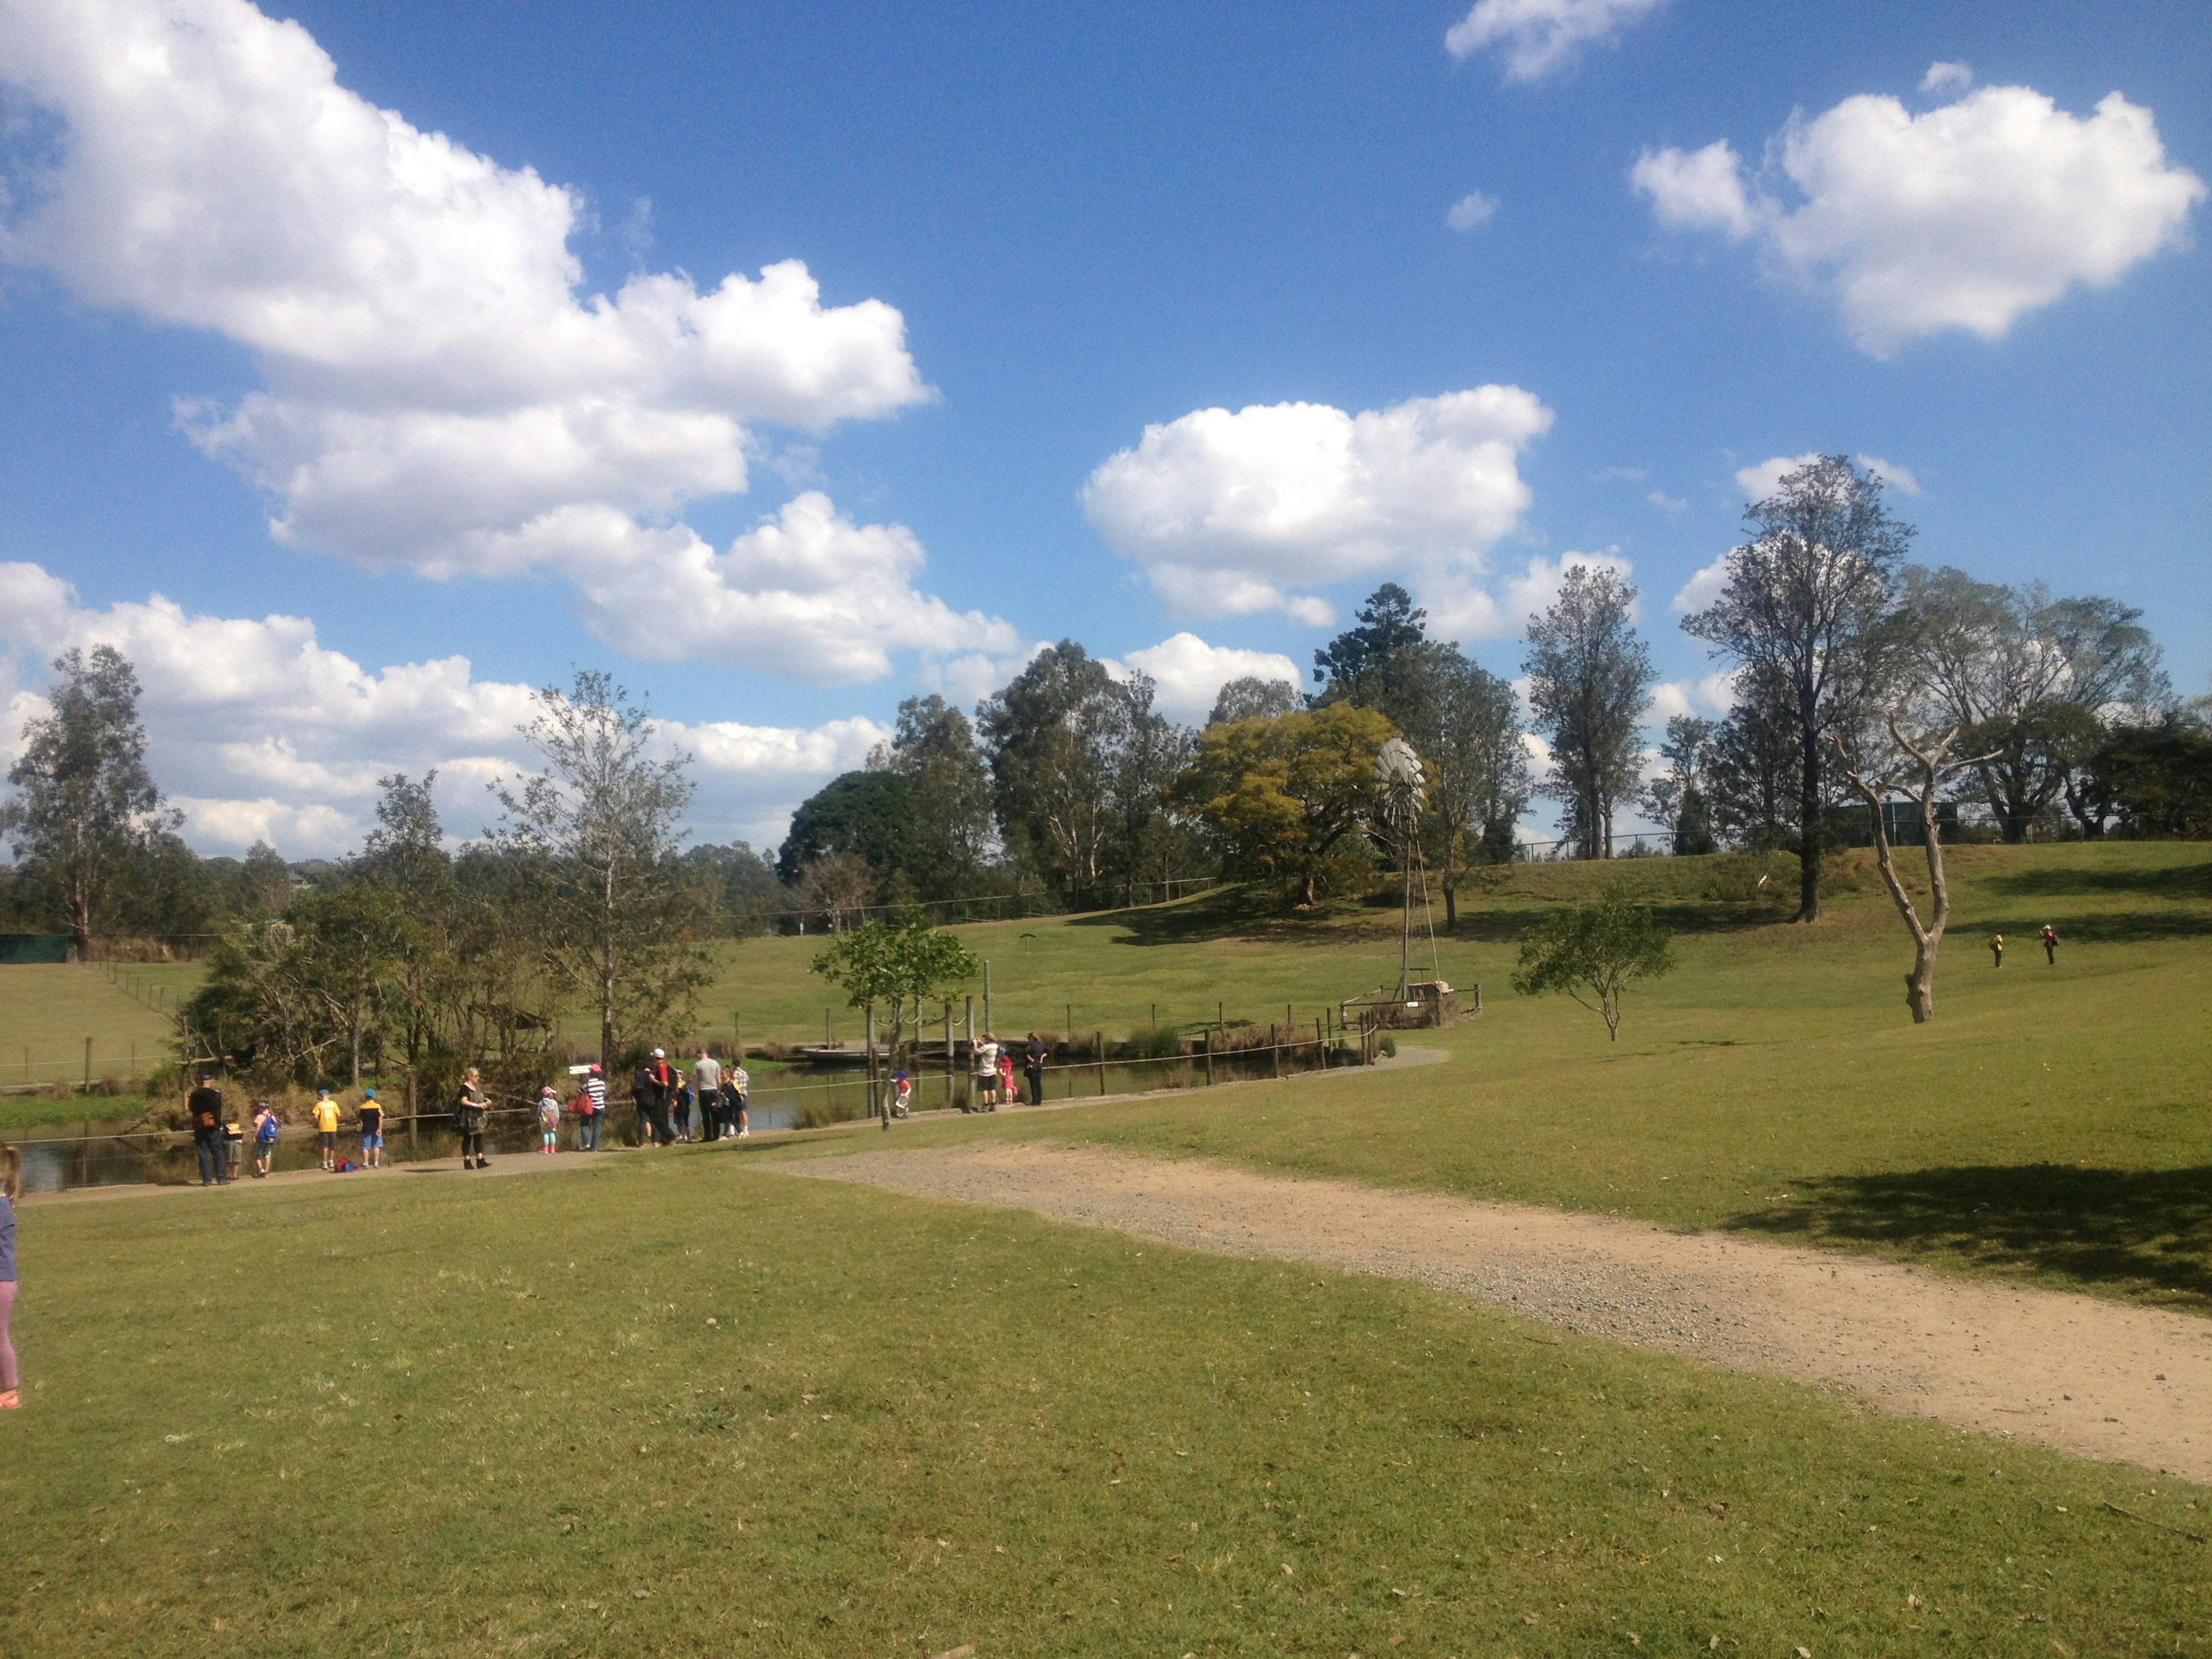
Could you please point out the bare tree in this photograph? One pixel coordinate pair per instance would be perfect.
(599, 826)
(1920, 771)
(1804, 608)
(1589, 674)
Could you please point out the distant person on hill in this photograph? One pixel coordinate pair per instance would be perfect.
(326, 1128)
(548, 1120)
(265, 1129)
(1996, 948)
(1034, 1055)
(737, 1086)
(372, 1131)
(203, 1110)
(470, 1110)
(11, 1184)
(706, 1082)
(2050, 944)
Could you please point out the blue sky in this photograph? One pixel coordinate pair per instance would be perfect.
(228, 298)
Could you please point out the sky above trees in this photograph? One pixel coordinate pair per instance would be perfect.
(369, 365)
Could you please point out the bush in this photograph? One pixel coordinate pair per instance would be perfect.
(1154, 1043)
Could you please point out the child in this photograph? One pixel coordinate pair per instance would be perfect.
(901, 1093)
(736, 1090)
(11, 1182)
(1996, 949)
(326, 1128)
(264, 1137)
(548, 1120)
(372, 1131)
(2050, 944)
(1006, 1089)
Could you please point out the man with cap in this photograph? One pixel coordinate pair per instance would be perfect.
(655, 1086)
(203, 1110)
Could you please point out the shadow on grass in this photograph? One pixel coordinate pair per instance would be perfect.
(2097, 928)
(1254, 911)
(2143, 1230)
(2177, 881)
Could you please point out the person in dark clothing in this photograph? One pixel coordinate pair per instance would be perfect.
(641, 1094)
(203, 1110)
(469, 1114)
(2050, 944)
(1034, 1053)
(661, 1090)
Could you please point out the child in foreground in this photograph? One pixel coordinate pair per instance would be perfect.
(548, 1120)
(264, 1137)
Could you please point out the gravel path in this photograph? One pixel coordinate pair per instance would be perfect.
(2096, 1378)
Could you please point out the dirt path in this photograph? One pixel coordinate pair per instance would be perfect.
(2098, 1379)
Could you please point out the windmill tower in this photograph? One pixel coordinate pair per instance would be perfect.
(1399, 795)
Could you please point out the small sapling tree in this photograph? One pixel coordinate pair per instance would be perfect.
(1593, 952)
(907, 961)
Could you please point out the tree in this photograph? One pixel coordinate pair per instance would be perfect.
(2029, 678)
(869, 815)
(2157, 779)
(1918, 768)
(1283, 795)
(1754, 768)
(907, 961)
(1363, 664)
(740, 883)
(1677, 798)
(1593, 952)
(598, 827)
(1251, 698)
(933, 749)
(839, 887)
(1590, 675)
(1805, 605)
(348, 947)
(1051, 739)
(405, 855)
(1465, 726)
(86, 809)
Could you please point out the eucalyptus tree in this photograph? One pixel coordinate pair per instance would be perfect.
(1589, 675)
(1682, 796)
(1806, 607)
(598, 827)
(948, 843)
(86, 811)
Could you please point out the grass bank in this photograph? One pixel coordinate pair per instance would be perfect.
(683, 1405)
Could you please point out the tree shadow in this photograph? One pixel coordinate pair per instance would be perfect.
(2176, 881)
(2148, 1231)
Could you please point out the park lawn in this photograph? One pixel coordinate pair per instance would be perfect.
(2050, 1124)
(684, 1405)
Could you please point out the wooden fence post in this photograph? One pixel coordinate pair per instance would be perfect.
(1100, 1039)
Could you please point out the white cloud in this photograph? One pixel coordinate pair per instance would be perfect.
(1966, 216)
(1536, 36)
(1471, 211)
(1896, 477)
(1190, 673)
(256, 730)
(1762, 480)
(1948, 77)
(442, 393)
(1711, 696)
(1666, 503)
(1704, 587)
(1460, 610)
(1232, 514)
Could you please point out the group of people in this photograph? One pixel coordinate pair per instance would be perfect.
(994, 1073)
(712, 1104)
(2048, 939)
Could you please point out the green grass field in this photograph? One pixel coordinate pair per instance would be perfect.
(685, 1406)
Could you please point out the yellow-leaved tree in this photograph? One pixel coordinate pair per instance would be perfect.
(1287, 796)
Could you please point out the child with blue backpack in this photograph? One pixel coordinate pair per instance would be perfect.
(264, 1137)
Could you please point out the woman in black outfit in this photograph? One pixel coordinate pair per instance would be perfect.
(469, 1118)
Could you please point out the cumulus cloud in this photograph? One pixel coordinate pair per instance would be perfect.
(1230, 513)
(1460, 610)
(1762, 479)
(1666, 503)
(1948, 77)
(1711, 696)
(259, 731)
(1189, 673)
(1966, 216)
(1898, 477)
(1704, 587)
(1537, 37)
(1471, 211)
(440, 393)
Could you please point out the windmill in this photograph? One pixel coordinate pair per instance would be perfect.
(1399, 796)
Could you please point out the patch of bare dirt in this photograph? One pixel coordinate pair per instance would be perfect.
(2098, 1379)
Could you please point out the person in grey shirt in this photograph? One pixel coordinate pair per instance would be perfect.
(706, 1084)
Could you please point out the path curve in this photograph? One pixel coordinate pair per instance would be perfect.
(2096, 1378)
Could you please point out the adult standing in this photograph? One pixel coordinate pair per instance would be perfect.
(1034, 1054)
(470, 1111)
(737, 1088)
(203, 1110)
(706, 1079)
(2050, 944)
(372, 1131)
(11, 1183)
(659, 1094)
(986, 1073)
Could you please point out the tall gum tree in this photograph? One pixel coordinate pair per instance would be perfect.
(1805, 609)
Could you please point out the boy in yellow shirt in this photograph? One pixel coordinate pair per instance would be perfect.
(326, 1128)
